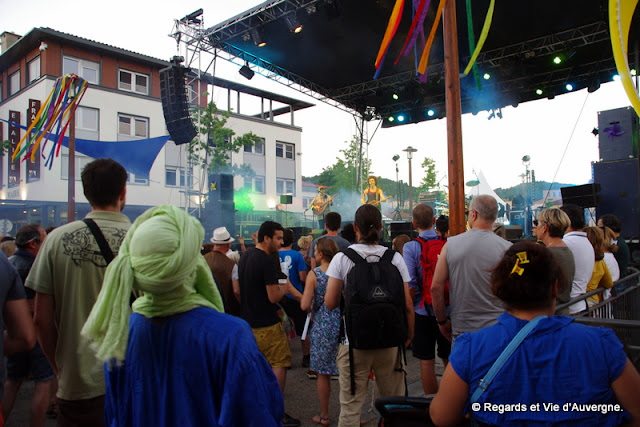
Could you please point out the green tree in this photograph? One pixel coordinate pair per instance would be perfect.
(214, 142)
(4, 147)
(343, 174)
(429, 180)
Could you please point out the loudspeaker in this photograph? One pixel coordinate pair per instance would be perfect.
(513, 232)
(584, 196)
(620, 184)
(286, 199)
(175, 106)
(219, 214)
(618, 134)
(226, 187)
(398, 228)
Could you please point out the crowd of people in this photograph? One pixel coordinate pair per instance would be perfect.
(140, 324)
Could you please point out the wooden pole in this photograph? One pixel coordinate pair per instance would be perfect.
(454, 120)
(71, 189)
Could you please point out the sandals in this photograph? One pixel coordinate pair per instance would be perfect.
(322, 421)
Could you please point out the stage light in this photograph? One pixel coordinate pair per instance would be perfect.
(246, 72)
(395, 96)
(539, 92)
(401, 118)
(633, 72)
(593, 86)
(294, 25)
(431, 112)
(391, 118)
(557, 60)
(258, 37)
(569, 87)
(486, 76)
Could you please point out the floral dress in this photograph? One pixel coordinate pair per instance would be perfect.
(325, 333)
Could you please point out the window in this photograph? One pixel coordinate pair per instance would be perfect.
(33, 70)
(258, 184)
(285, 186)
(88, 70)
(137, 127)
(171, 177)
(87, 118)
(80, 162)
(14, 83)
(257, 148)
(284, 150)
(133, 82)
(1, 91)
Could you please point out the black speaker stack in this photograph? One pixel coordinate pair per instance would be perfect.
(175, 105)
(220, 210)
(618, 171)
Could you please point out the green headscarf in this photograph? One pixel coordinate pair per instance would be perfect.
(160, 256)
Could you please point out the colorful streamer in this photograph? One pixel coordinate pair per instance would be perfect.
(418, 19)
(620, 16)
(56, 110)
(483, 37)
(392, 27)
(422, 66)
(472, 44)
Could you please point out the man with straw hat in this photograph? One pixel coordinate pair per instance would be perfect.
(177, 360)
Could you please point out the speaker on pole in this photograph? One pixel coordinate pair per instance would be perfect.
(174, 104)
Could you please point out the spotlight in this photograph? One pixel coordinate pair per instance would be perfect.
(395, 96)
(557, 60)
(431, 112)
(258, 37)
(633, 72)
(486, 76)
(569, 87)
(593, 86)
(294, 25)
(401, 118)
(396, 158)
(391, 118)
(246, 72)
(616, 78)
(595, 131)
(538, 91)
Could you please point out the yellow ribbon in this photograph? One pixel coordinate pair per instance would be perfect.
(522, 259)
(392, 26)
(620, 16)
(482, 39)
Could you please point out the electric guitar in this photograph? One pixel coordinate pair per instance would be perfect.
(319, 208)
(377, 202)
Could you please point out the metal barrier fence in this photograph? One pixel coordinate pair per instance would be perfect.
(620, 312)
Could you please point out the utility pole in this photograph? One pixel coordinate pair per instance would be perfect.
(410, 150)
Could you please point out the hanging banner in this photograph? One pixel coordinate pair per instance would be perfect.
(14, 139)
(33, 166)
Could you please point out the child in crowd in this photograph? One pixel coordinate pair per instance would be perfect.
(326, 326)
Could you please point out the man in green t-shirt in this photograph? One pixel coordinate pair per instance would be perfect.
(67, 277)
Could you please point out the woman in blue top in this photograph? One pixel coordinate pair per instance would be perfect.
(563, 373)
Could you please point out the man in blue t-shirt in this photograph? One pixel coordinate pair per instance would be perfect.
(293, 265)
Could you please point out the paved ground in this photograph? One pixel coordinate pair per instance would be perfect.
(301, 400)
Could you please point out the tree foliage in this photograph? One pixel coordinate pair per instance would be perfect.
(211, 148)
(343, 174)
(4, 147)
(429, 179)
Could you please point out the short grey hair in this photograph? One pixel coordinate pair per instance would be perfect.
(486, 206)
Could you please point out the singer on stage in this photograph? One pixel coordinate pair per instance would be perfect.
(373, 195)
(320, 205)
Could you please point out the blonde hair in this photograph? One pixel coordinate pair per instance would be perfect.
(305, 242)
(610, 240)
(8, 247)
(557, 221)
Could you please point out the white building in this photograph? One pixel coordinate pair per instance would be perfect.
(123, 103)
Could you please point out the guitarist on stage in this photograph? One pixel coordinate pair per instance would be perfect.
(321, 205)
(373, 195)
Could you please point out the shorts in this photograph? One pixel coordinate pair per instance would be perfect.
(426, 334)
(274, 345)
(293, 310)
(32, 363)
(85, 412)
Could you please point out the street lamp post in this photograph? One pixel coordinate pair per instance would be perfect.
(410, 150)
(396, 214)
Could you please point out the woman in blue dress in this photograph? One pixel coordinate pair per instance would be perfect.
(326, 326)
(562, 373)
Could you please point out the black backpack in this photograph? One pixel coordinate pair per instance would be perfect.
(374, 305)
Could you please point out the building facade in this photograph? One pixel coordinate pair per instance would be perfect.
(123, 103)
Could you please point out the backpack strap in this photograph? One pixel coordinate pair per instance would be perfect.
(486, 381)
(353, 256)
(388, 255)
(106, 251)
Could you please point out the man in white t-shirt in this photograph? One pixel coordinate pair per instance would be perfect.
(386, 363)
(583, 254)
